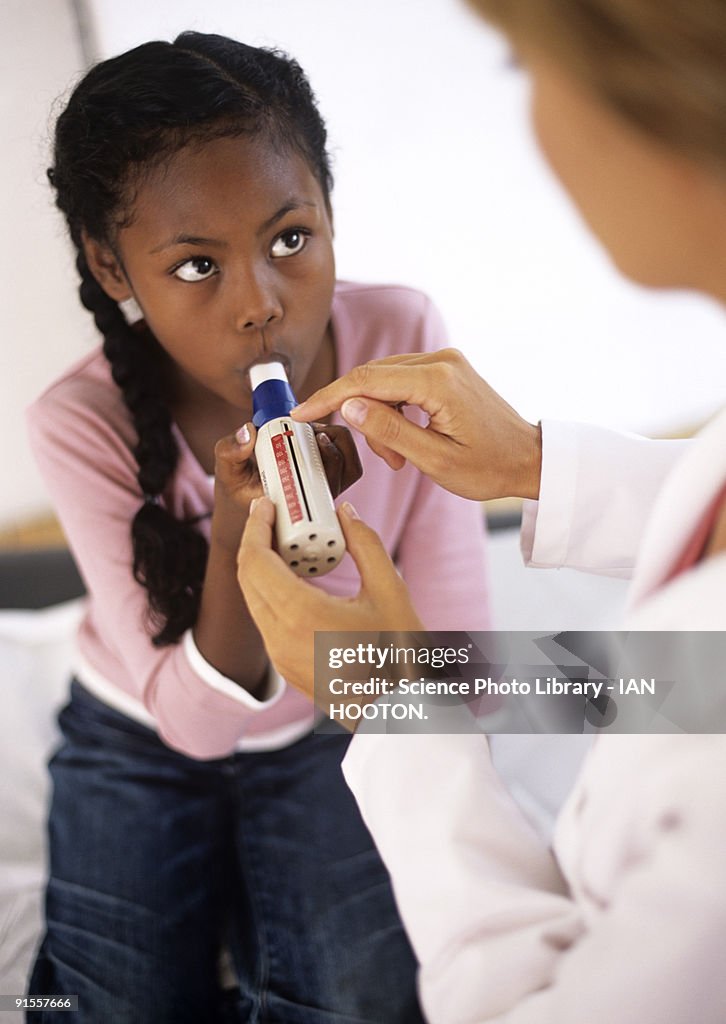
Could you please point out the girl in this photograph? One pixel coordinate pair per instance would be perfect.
(624, 920)
(193, 811)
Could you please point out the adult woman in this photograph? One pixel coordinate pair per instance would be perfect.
(624, 922)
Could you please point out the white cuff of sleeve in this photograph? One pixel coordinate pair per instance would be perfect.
(547, 523)
(273, 690)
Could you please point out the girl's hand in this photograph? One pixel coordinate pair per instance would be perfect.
(236, 483)
(475, 444)
(237, 480)
(287, 610)
(340, 456)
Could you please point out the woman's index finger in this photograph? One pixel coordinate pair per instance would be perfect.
(390, 382)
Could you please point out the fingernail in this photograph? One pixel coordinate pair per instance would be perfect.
(243, 435)
(347, 509)
(354, 411)
(324, 439)
(253, 504)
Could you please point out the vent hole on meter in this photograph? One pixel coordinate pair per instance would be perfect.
(294, 563)
(312, 569)
(294, 547)
(312, 536)
(331, 559)
(331, 543)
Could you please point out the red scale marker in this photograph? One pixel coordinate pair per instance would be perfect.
(286, 478)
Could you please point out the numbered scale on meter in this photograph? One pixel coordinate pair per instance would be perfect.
(307, 531)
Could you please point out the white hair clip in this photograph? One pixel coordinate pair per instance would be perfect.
(131, 310)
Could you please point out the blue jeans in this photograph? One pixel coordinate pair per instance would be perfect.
(158, 860)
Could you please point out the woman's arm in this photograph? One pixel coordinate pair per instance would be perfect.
(597, 489)
(595, 486)
(475, 444)
(500, 937)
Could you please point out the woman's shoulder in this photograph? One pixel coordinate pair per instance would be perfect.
(383, 318)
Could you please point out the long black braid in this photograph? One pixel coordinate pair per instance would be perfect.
(125, 118)
(169, 555)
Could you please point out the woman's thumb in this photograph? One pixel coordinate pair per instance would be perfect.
(381, 583)
(366, 549)
(386, 428)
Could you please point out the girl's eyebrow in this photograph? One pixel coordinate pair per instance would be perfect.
(183, 239)
(186, 240)
(290, 205)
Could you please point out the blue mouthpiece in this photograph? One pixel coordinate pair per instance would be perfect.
(272, 396)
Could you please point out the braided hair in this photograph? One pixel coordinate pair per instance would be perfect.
(125, 118)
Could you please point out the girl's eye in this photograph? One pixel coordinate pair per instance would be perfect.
(289, 243)
(199, 268)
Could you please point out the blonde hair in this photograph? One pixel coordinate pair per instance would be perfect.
(659, 63)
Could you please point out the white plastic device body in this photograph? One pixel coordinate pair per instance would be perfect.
(307, 530)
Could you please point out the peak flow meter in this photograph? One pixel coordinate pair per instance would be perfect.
(308, 534)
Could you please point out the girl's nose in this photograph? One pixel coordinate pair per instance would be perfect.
(258, 303)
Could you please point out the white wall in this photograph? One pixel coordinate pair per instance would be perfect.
(439, 185)
(42, 327)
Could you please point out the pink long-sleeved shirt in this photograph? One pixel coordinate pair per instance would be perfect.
(83, 438)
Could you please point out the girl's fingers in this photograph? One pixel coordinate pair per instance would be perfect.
(235, 470)
(340, 456)
(238, 447)
(236, 484)
(333, 463)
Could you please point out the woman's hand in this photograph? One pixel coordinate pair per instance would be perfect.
(287, 610)
(475, 444)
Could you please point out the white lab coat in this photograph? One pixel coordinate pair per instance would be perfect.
(626, 922)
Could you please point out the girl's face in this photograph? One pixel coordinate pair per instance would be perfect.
(229, 254)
